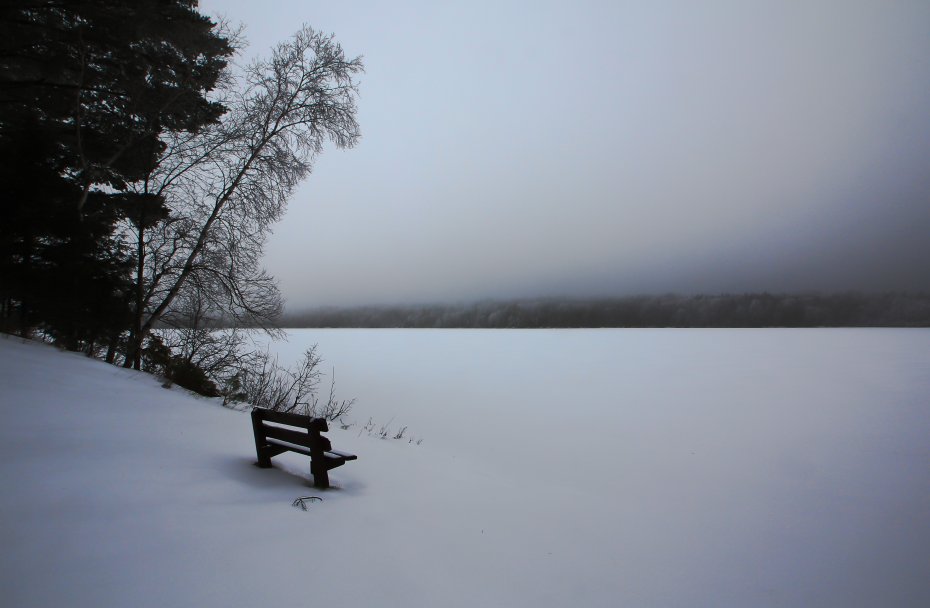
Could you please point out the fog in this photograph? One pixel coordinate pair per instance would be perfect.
(515, 149)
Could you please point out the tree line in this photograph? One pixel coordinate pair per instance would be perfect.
(726, 310)
(141, 169)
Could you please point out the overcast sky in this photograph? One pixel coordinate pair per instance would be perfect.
(515, 149)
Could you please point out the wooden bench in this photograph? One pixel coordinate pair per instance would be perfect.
(277, 432)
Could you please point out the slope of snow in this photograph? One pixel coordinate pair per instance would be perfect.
(598, 468)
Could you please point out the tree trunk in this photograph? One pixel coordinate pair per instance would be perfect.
(137, 317)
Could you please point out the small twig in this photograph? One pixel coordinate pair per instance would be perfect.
(301, 502)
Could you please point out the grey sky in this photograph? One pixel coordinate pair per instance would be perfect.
(573, 148)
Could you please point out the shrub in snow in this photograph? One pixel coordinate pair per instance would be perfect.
(262, 382)
(158, 359)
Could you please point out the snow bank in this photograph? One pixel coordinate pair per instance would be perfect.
(641, 468)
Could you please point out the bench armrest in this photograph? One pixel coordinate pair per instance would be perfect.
(345, 455)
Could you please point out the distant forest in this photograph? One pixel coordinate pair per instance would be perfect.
(742, 310)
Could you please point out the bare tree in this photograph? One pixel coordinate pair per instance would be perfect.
(195, 335)
(226, 184)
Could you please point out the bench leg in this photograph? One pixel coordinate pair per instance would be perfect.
(261, 448)
(264, 460)
(320, 474)
(321, 480)
(266, 452)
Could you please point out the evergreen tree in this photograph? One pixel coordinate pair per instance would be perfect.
(87, 92)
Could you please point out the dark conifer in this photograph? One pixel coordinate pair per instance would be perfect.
(87, 90)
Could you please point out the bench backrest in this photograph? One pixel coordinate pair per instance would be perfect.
(305, 430)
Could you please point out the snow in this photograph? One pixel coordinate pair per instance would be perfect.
(586, 467)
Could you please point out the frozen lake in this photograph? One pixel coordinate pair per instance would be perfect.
(786, 464)
(692, 468)
(704, 386)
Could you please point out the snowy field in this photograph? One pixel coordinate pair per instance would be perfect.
(588, 468)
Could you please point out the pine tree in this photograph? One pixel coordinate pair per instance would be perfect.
(87, 92)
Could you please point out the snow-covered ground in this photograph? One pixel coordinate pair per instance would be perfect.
(587, 468)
